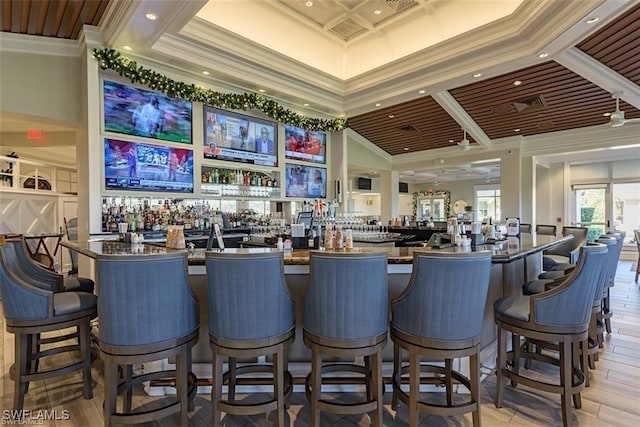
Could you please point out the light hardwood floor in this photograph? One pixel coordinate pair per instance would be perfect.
(613, 398)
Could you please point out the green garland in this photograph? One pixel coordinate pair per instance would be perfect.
(125, 67)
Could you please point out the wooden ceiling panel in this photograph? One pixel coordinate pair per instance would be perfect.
(421, 124)
(51, 18)
(617, 45)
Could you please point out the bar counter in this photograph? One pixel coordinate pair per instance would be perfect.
(514, 262)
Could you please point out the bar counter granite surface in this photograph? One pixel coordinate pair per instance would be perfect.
(502, 251)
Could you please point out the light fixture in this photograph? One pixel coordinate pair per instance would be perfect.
(391, 116)
(378, 104)
(377, 12)
(593, 20)
(517, 83)
(342, 115)
(206, 73)
(421, 91)
(516, 130)
(305, 104)
(261, 90)
(606, 114)
(451, 140)
(476, 75)
(543, 55)
(127, 48)
(406, 148)
(151, 16)
(309, 3)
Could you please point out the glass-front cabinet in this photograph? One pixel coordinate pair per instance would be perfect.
(220, 182)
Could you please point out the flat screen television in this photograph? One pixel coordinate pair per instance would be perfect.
(134, 111)
(238, 138)
(364, 183)
(144, 167)
(305, 181)
(403, 187)
(305, 145)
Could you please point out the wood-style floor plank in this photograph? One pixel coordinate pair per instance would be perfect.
(612, 400)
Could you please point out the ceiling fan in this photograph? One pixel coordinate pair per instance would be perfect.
(616, 119)
(464, 144)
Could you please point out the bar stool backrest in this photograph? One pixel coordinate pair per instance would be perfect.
(347, 297)
(570, 303)
(145, 299)
(567, 247)
(446, 296)
(619, 236)
(20, 300)
(42, 277)
(247, 296)
(609, 266)
(546, 230)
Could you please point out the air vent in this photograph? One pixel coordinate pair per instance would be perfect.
(408, 130)
(530, 104)
(399, 5)
(546, 124)
(347, 29)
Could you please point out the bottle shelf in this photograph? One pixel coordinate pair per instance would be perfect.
(230, 190)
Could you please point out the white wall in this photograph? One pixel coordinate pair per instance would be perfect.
(41, 86)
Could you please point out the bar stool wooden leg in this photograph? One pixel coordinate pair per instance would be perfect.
(566, 375)
(231, 393)
(20, 369)
(182, 387)
(397, 376)
(474, 378)
(128, 396)
(216, 389)
(584, 356)
(316, 384)
(378, 390)
(501, 363)
(278, 375)
(110, 391)
(515, 346)
(367, 366)
(414, 387)
(84, 341)
(448, 381)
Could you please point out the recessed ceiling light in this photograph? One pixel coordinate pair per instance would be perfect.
(305, 104)
(342, 115)
(451, 140)
(378, 104)
(516, 130)
(421, 91)
(606, 114)
(476, 75)
(309, 3)
(593, 20)
(517, 83)
(406, 148)
(391, 116)
(377, 12)
(206, 73)
(261, 90)
(151, 16)
(127, 48)
(543, 55)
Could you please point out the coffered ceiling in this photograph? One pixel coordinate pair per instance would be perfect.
(412, 78)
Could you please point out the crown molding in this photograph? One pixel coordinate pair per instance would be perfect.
(247, 73)
(37, 45)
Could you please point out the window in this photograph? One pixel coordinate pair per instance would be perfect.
(487, 202)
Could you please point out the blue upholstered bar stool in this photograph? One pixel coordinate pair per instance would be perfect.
(607, 313)
(251, 314)
(439, 316)
(147, 312)
(560, 315)
(346, 316)
(58, 282)
(566, 252)
(29, 311)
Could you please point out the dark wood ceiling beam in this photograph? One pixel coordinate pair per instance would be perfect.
(57, 21)
(73, 21)
(42, 17)
(24, 16)
(7, 11)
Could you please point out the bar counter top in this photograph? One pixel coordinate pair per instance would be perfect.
(502, 252)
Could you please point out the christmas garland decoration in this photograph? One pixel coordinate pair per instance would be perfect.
(111, 59)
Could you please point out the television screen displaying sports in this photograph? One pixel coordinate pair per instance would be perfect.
(134, 111)
(239, 138)
(145, 167)
(306, 181)
(305, 145)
